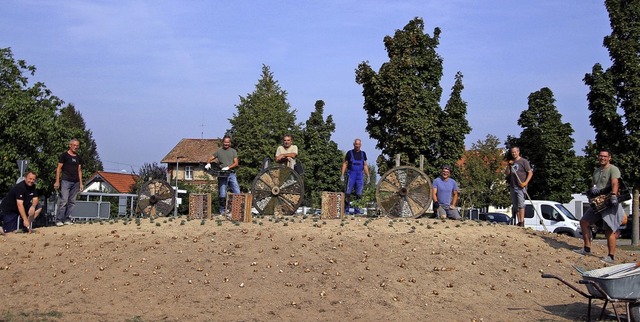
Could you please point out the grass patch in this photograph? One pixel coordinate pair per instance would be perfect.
(31, 316)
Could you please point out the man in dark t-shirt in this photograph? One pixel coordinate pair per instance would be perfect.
(70, 168)
(20, 202)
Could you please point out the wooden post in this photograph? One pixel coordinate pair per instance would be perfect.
(398, 160)
(421, 162)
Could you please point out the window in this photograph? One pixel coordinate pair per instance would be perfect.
(547, 212)
(528, 211)
(188, 173)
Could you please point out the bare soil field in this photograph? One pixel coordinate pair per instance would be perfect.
(292, 270)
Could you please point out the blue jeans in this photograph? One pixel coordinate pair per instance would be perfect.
(232, 182)
(68, 192)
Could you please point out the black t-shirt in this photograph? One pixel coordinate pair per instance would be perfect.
(358, 156)
(70, 166)
(19, 192)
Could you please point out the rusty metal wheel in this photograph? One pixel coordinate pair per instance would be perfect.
(156, 199)
(277, 190)
(404, 192)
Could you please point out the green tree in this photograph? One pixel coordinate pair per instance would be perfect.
(262, 118)
(618, 89)
(402, 101)
(75, 126)
(322, 168)
(29, 122)
(547, 143)
(148, 172)
(454, 126)
(481, 175)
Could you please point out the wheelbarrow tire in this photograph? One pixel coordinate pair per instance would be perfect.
(634, 311)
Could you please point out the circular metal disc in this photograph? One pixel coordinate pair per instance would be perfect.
(277, 190)
(156, 199)
(404, 192)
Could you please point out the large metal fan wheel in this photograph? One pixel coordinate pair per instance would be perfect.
(277, 190)
(156, 199)
(404, 192)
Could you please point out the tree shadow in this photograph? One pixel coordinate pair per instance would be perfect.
(557, 244)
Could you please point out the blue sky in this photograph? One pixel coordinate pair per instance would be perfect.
(145, 74)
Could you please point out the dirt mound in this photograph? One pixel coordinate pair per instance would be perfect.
(298, 269)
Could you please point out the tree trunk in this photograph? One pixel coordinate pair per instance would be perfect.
(635, 211)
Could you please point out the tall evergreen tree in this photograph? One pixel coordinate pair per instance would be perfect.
(75, 126)
(402, 100)
(454, 125)
(322, 169)
(29, 123)
(262, 118)
(547, 143)
(619, 87)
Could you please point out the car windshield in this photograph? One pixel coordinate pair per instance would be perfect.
(566, 212)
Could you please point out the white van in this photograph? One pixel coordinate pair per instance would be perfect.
(555, 217)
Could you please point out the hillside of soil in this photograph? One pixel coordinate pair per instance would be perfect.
(293, 270)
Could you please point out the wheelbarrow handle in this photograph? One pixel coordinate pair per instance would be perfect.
(567, 284)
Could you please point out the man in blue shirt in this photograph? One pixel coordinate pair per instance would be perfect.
(445, 193)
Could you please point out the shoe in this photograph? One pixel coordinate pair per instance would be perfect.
(581, 251)
(68, 222)
(607, 260)
(59, 223)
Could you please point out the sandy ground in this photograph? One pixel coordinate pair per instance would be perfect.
(296, 270)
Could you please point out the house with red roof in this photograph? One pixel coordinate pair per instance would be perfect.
(111, 182)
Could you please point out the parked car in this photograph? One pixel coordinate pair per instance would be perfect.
(496, 217)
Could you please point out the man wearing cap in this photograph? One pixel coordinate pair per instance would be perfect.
(445, 194)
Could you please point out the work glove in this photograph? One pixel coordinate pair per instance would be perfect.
(613, 200)
(225, 169)
(342, 178)
(522, 185)
(368, 180)
(208, 166)
(594, 190)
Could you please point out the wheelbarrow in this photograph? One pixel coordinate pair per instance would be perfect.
(614, 284)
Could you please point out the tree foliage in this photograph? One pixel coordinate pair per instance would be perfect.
(262, 118)
(547, 143)
(402, 102)
(617, 89)
(454, 125)
(75, 127)
(29, 125)
(148, 172)
(481, 175)
(322, 166)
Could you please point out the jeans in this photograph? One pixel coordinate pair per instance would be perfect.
(451, 213)
(232, 182)
(68, 192)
